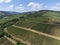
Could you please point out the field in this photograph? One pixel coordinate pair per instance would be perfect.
(33, 38)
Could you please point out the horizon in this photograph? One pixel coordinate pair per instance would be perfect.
(29, 5)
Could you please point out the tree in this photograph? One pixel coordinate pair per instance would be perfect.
(18, 42)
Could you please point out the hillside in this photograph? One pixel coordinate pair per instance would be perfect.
(45, 21)
(43, 16)
(32, 28)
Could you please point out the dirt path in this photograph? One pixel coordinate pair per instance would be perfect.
(10, 40)
(17, 38)
(38, 32)
(21, 40)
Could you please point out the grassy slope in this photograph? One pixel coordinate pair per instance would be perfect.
(40, 17)
(6, 19)
(36, 22)
(31, 37)
(48, 28)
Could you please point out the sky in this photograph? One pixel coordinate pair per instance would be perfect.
(29, 5)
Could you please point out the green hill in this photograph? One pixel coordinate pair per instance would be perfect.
(45, 21)
(43, 16)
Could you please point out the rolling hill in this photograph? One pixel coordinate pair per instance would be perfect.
(33, 28)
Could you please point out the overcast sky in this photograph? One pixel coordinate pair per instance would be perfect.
(29, 5)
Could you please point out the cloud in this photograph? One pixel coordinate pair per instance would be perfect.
(20, 8)
(45, 6)
(39, 6)
(55, 7)
(30, 7)
(1, 1)
(35, 6)
(5, 1)
(8, 8)
(12, 7)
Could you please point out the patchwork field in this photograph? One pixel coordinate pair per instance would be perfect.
(33, 38)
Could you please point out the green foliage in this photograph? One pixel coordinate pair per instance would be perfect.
(18, 42)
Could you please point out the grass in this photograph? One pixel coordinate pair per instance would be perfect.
(48, 28)
(8, 43)
(1, 32)
(29, 21)
(31, 37)
(8, 18)
(46, 17)
(25, 24)
(52, 14)
(4, 41)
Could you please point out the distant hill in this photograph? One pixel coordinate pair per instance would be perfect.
(13, 12)
(7, 13)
